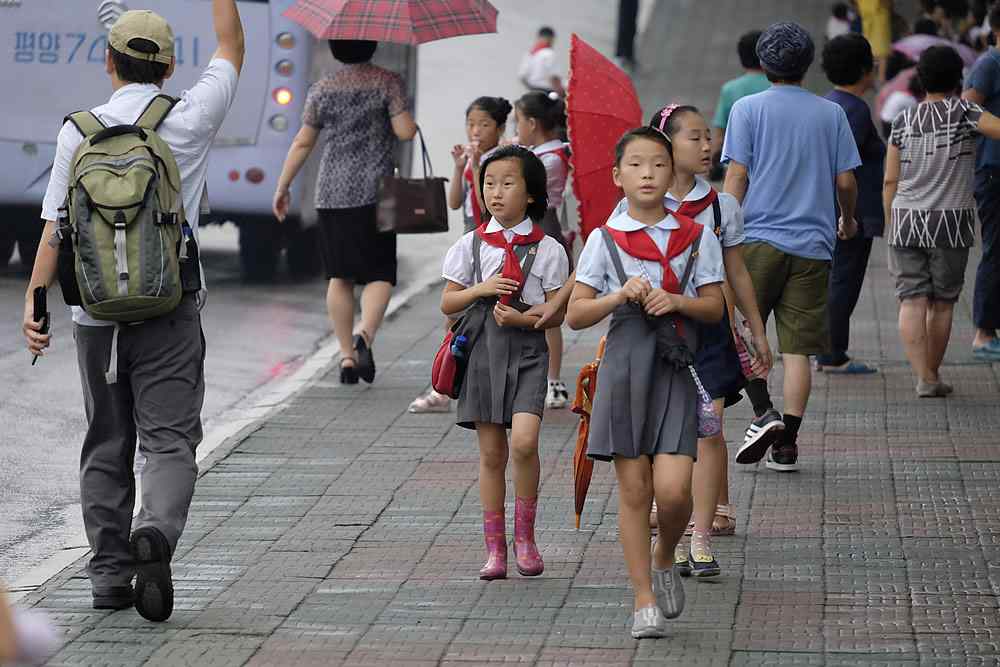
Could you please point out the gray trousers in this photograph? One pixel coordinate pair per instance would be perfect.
(157, 399)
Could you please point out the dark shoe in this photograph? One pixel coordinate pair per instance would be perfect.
(783, 458)
(154, 590)
(761, 434)
(366, 362)
(114, 598)
(348, 374)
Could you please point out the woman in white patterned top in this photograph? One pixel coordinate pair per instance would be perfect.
(928, 200)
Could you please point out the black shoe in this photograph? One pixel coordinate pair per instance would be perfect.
(761, 434)
(348, 374)
(154, 590)
(114, 598)
(366, 362)
(783, 458)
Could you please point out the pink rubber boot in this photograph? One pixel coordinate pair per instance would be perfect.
(495, 531)
(529, 561)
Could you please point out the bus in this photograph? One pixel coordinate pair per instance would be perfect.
(53, 64)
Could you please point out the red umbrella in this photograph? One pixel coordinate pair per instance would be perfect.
(601, 105)
(398, 21)
(583, 467)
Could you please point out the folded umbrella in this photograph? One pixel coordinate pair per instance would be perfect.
(398, 21)
(601, 105)
(583, 467)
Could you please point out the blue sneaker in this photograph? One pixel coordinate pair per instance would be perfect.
(989, 352)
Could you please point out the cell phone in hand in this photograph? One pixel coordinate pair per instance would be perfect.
(40, 311)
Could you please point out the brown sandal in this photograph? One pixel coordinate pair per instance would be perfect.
(725, 520)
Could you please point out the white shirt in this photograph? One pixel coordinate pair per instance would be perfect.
(556, 170)
(538, 68)
(897, 102)
(469, 194)
(548, 273)
(189, 130)
(732, 233)
(596, 269)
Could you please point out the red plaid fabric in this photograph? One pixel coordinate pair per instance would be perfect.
(398, 21)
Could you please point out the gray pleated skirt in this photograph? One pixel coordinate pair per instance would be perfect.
(643, 406)
(506, 374)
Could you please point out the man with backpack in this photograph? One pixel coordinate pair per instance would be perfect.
(121, 219)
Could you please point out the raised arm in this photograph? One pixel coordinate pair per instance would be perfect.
(228, 32)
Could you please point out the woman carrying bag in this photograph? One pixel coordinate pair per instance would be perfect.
(364, 110)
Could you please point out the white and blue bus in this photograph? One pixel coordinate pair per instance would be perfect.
(53, 63)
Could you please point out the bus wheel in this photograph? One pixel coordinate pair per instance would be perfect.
(29, 234)
(260, 246)
(303, 256)
(7, 240)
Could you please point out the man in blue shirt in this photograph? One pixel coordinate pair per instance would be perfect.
(983, 88)
(850, 66)
(791, 158)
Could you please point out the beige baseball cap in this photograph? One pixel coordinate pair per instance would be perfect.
(146, 25)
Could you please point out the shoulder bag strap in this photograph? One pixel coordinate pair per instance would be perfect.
(477, 262)
(616, 258)
(690, 262)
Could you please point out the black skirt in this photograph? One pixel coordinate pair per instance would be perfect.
(718, 362)
(353, 249)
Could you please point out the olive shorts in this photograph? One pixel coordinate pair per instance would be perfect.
(795, 290)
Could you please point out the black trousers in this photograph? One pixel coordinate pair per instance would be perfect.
(847, 275)
(628, 18)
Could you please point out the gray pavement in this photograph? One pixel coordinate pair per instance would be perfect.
(343, 530)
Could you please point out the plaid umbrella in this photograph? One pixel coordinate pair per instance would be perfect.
(398, 21)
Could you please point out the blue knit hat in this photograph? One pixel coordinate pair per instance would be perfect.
(786, 50)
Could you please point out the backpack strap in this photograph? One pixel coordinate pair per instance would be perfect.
(616, 258)
(85, 122)
(717, 213)
(156, 112)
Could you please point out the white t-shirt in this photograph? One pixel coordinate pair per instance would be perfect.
(189, 130)
(556, 170)
(538, 68)
(596, 267)
(548, 273)
(897, 102)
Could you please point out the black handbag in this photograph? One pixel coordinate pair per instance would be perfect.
(413, 205)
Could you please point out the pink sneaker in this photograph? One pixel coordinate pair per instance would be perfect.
(529, 561)
(494, 530)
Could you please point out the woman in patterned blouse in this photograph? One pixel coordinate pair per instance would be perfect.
(357, 115)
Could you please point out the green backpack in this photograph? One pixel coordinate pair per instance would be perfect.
(126, 228)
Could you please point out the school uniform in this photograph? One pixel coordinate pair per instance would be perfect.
(717, 360)
(507, 367)
(555, 157)
(646, 405)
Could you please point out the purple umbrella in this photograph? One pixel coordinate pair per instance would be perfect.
(914, 45)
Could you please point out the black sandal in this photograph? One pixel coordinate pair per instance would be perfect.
(348, 374)
(366, 362)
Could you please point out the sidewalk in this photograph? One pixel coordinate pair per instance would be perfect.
(343, 530)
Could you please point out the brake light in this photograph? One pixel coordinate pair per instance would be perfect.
(255, 175)
(234, 175)
(282, 96)
(285, 67)
(285, 40)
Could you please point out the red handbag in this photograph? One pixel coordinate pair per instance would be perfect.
(445, 376)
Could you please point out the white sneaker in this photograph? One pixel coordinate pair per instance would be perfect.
(432, 401)
(557, 396)
(648, 622)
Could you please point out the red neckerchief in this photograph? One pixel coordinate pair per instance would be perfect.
(561, 152)
(511, 265)
(692, 208)
(477, 210)
(539, 46)
(640, 245)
